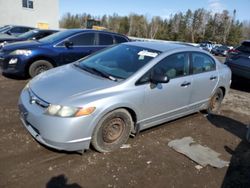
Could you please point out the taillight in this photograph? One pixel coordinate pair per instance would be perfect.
(235, 51)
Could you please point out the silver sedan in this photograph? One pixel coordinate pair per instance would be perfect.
(106, 97)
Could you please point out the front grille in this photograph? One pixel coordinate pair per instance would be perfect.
(34, 99)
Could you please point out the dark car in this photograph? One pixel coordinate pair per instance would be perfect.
(238, 60)
(214, 50)
(33, 57)
(248, 134)
(35, 34)
(15, 29)
(222, 50)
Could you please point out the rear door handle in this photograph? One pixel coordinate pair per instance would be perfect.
(213, 77)
(185, 84)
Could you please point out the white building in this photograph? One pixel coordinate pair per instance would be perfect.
(34, 13)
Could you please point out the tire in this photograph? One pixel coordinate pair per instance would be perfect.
(112, 131)
(38, 67)
(215, 102)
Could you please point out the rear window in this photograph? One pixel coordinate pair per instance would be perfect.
(245, 47)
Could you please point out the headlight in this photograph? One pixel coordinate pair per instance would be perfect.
(27, 86)
(21, 52)
(66, 111)
(3, 43)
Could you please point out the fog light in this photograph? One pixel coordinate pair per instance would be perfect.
(13, 61)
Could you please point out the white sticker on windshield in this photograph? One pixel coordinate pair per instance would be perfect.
(147, 53)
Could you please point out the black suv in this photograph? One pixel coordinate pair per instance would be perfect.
(238, 60)
(15, 29)
(35, 34)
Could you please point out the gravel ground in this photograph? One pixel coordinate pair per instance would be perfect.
(147, 162)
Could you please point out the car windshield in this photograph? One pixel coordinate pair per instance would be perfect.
(120, 61)
(29, 34)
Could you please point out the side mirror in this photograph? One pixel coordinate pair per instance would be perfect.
(158, 78)
(68, 44)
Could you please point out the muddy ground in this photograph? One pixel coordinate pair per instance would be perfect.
(149, 162)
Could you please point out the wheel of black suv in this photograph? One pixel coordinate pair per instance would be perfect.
(112, 131)
(38, 67)
(215, 102)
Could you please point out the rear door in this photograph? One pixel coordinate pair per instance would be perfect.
(205, 79)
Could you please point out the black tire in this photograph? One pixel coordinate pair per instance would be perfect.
(215, 102)
(112, 131)
(38, 67)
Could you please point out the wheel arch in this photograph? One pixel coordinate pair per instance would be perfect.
(223, 90)
(36, 59)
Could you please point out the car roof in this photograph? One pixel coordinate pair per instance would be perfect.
(72, 31)
(52, 30)
(160, 46)
(19, 26)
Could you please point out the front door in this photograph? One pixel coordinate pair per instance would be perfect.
(81, 45)
(168, 100)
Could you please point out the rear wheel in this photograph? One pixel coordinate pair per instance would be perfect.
(38, 67)
(215, 102)
(112, 131)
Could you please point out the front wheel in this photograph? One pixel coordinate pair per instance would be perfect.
(112, 131)
(215, 102)
(38, 67)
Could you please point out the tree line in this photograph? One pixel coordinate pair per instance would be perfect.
(191, 26)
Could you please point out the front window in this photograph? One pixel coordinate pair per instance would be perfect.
(86, 39)
(120, 61)
(173, 66)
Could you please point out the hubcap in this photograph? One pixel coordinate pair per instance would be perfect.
(41, 69)
(113, 130)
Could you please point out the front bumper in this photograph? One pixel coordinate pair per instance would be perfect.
(69, 134)
(13, 69)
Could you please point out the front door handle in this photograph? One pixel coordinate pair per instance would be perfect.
(185, 84)
(213, 77)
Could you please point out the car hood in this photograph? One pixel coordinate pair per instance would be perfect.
(59, 84)
(22, 45)
(5, 36)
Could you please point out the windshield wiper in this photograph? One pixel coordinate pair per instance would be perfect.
(94, 71)
(103, 74)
